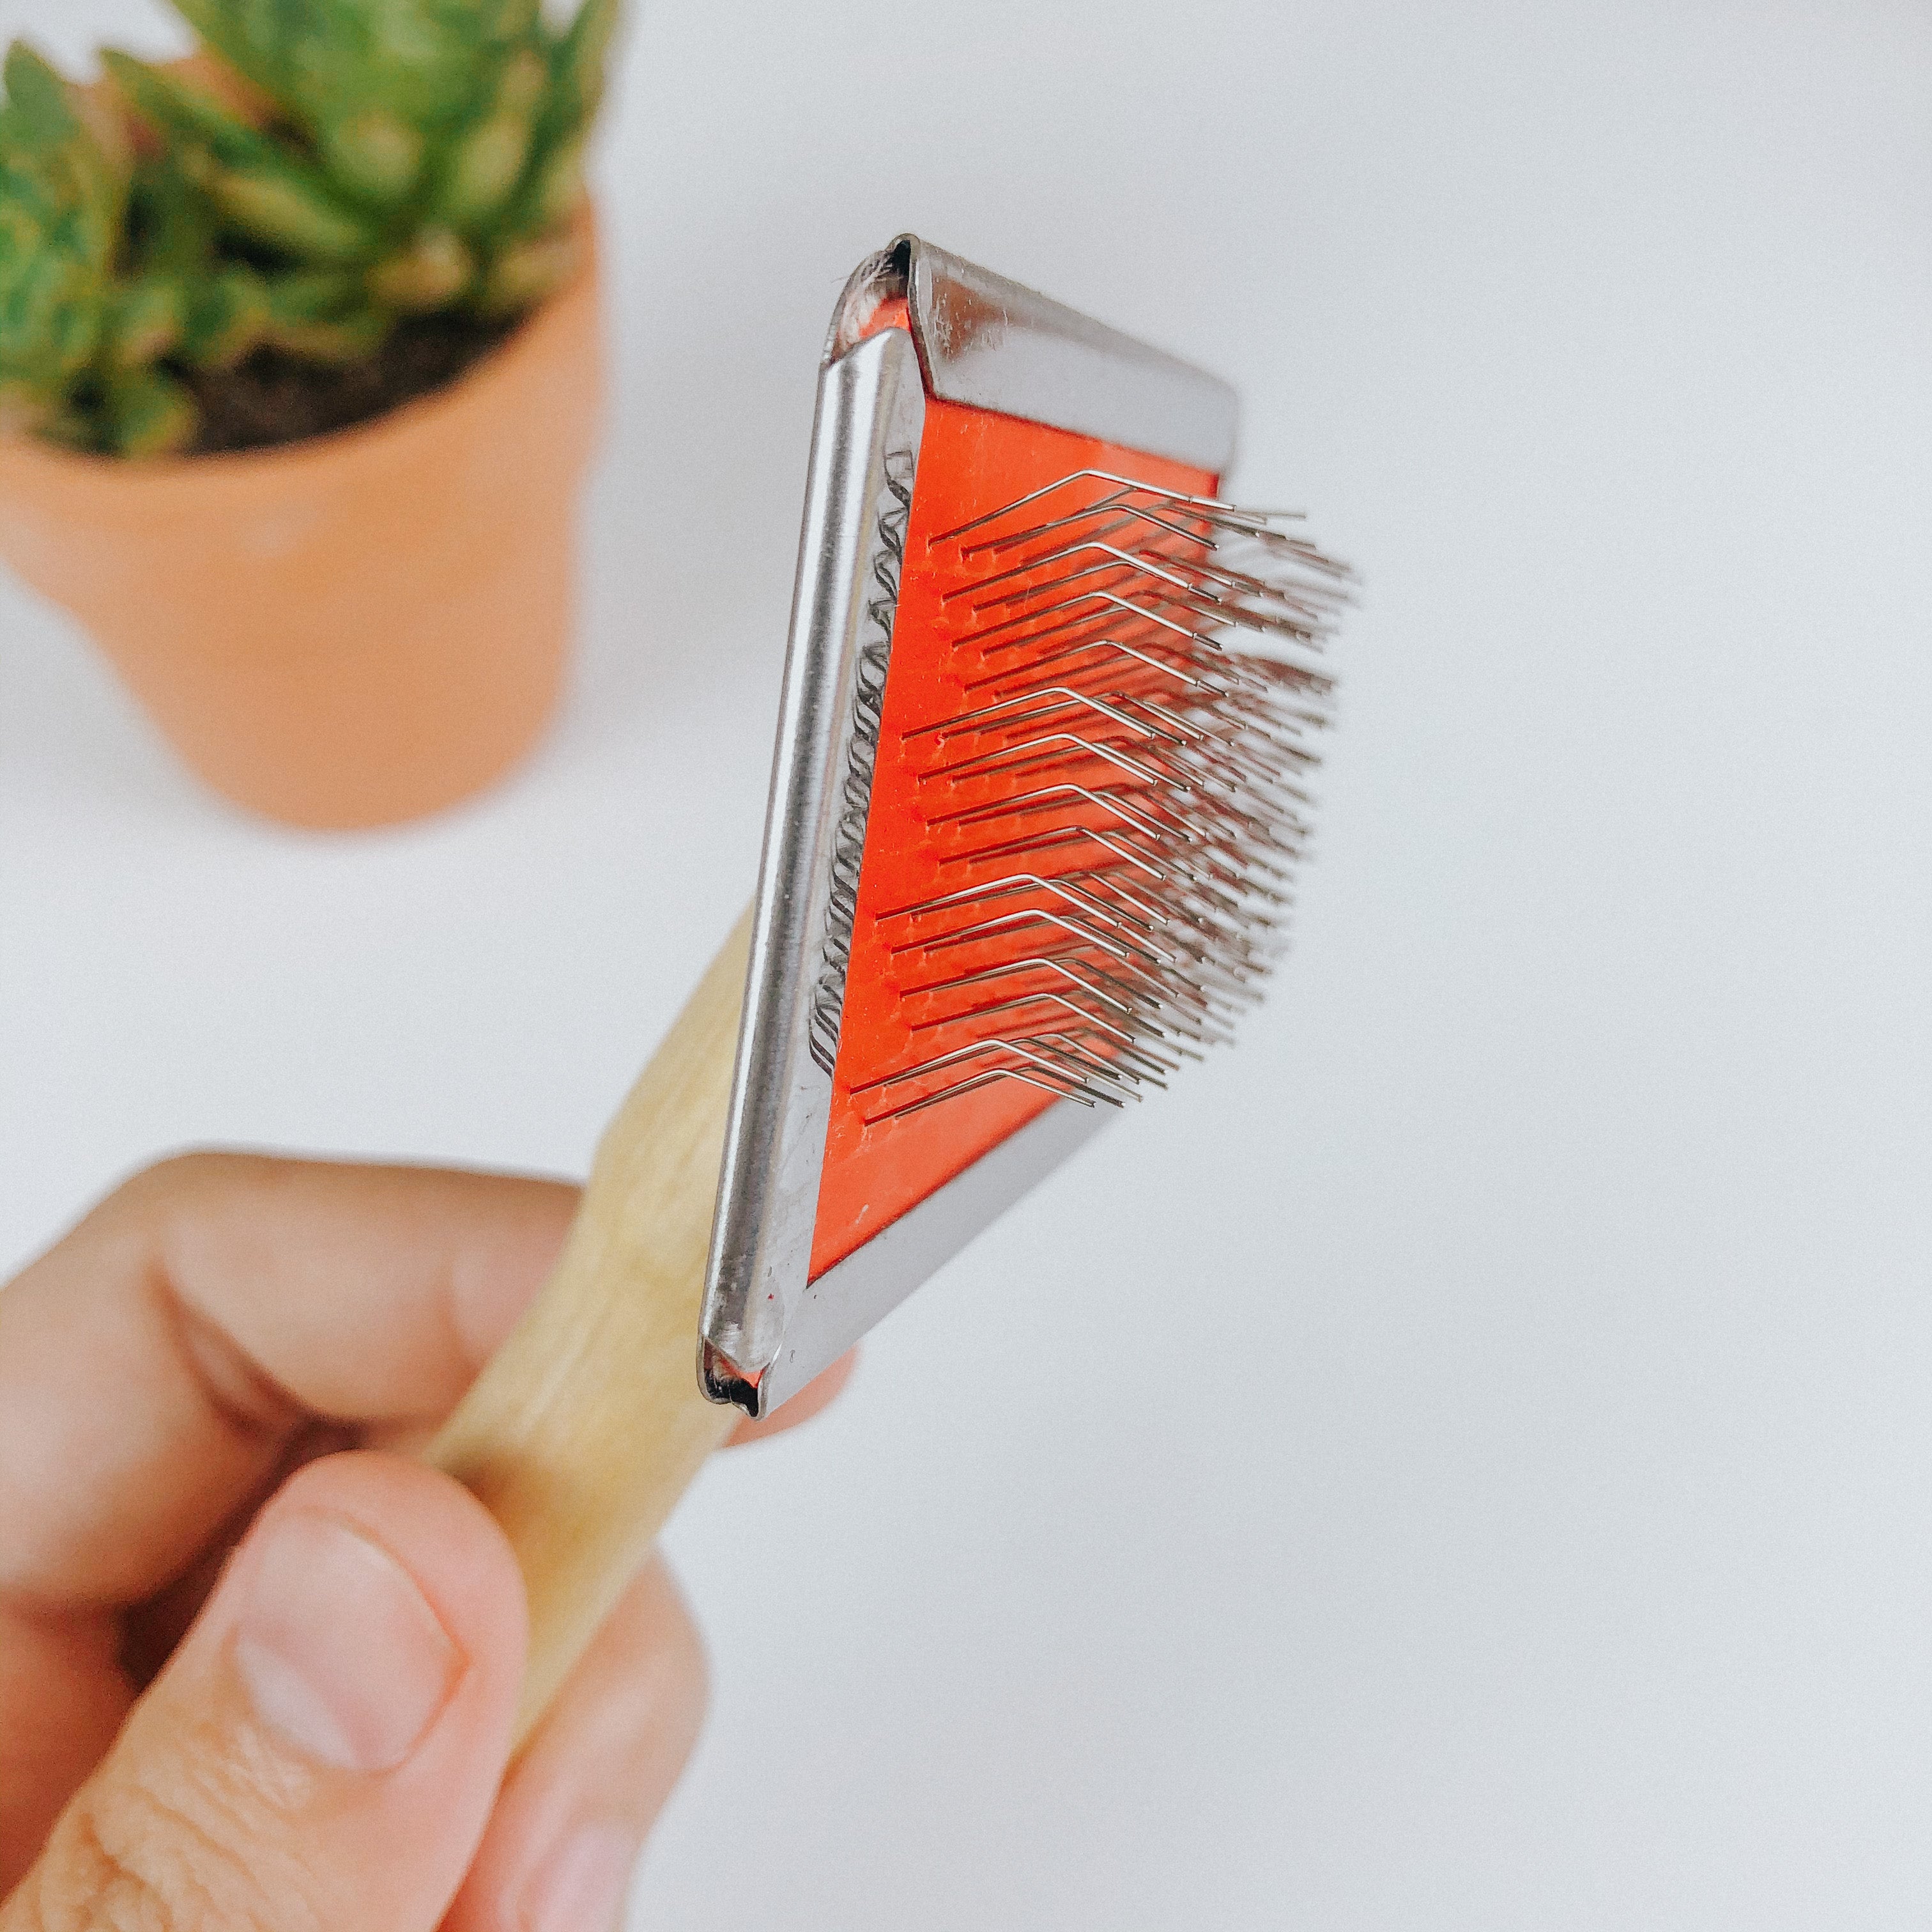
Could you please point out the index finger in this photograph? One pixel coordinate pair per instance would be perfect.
(156, 1363)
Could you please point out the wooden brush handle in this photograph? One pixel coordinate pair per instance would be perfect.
(587, 1424)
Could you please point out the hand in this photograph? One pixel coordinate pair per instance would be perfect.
(257, 1666)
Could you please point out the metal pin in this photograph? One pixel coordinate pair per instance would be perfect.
(1141, 674)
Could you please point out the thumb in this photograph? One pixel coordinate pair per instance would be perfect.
(323, 1749)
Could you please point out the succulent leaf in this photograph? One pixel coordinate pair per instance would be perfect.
(267, 193)
(72, 427)
(556, 187)
(279, 205)
(376, 155)
(427, 61)
(314, 295)
(173, 104)
(174, 226)
(554, 181)
(486, 162)
(524, 273)
(149, 414)
(145, 321)
(336, 342)
(582, 57)
(228, 315)
(62, 199)
(429, 274)
(41, 108)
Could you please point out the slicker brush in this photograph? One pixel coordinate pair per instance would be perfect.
(1041, 784)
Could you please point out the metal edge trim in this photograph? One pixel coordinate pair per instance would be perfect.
(847, 1301)
(996, 344)
(871, 405)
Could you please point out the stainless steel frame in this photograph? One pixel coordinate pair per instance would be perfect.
(978, 339)
(872, 408)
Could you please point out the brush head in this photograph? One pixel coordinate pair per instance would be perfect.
(1040, 791)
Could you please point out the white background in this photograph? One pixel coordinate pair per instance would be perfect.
(1464, 1460)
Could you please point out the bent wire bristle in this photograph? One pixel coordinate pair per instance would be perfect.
(1121, 893)
(1041, 790)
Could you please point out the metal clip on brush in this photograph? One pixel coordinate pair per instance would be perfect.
(1036, 803)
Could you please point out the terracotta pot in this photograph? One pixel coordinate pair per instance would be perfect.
(354, 629)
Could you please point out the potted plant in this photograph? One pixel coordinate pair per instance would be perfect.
(300, 366)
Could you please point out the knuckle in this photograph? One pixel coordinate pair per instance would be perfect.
(179, 1173)
(154, 1191)
(195, 1174)
(112, 1865)
(125, 1857)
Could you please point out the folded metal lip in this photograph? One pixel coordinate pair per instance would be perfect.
(995, 344)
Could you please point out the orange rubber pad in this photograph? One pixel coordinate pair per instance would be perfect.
(971, 462)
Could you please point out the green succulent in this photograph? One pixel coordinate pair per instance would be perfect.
(411, 156)
(423, 154)
(77, 341)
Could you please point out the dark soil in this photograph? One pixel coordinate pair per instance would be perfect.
(271, 398)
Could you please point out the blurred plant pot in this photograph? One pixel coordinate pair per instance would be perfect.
(353, 629)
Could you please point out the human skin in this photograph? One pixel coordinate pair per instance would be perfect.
(258, 1666)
